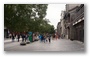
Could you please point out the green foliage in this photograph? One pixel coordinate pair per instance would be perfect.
(26, 17)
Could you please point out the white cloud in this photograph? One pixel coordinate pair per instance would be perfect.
(54, 12)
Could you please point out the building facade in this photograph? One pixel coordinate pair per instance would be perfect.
(62, 27)
(59, 28)
(78, 23)
(74, 21)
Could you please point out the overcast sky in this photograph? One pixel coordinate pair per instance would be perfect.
(54, 12)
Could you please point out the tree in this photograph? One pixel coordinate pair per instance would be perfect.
(24, 17)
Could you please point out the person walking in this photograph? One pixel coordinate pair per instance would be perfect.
(13, 35)
(22, 37)
(26, 37)
(40, 37)
(49, 38)
(56, 36)
(18, 36)
(53, 36)
(44, 37)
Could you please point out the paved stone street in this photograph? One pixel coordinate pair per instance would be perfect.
(55, 45)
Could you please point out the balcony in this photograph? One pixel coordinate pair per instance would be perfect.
(79, 14)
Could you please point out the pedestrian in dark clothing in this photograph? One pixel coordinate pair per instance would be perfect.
(18, 37)
(13, 37)
(49, 38)
(23, 36)
(43, 38)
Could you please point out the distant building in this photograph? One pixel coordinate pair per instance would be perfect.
(59, 28)
(62, 26)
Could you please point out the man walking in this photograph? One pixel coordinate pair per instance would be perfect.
(23, 36)
(13, 35)
(18, 36)
(49, 38)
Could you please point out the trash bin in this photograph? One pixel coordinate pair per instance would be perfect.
(30, 37)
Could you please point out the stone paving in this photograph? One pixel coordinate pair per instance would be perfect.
(55, 45)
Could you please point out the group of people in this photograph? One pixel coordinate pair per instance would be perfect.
(56, 36)
(25, 36)
(45, 38)
(14, 36)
